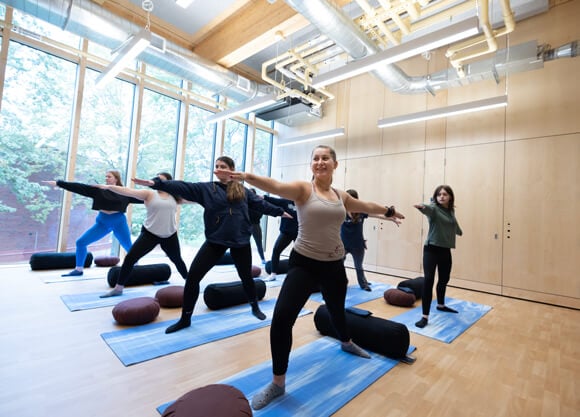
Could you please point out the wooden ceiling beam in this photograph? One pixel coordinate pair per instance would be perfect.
(250, 30)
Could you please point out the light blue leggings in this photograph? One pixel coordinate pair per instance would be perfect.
(104, 224)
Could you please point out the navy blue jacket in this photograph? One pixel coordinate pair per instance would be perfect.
(226, 223)
(287, 226)
(351, 233)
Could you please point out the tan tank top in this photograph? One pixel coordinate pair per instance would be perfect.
(319, 222)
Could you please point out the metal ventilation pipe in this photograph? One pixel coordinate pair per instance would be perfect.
(569, 50)
(87, 19)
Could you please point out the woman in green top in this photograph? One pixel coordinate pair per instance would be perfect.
(443, 227)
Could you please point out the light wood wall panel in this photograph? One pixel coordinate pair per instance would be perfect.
(366, 92)
(402, 185)
(542, 202)
(411, 137)
(475, 173)
(546, 102)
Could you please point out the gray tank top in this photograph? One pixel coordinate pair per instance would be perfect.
(161, 216)
(319, 222)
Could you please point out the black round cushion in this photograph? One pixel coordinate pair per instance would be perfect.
(414, 284)
(106, 260)
(216, 400)
(373, 333)
(170, 297)
(227, 294)
(282, 267)
(140, 310)
(56, 260)
(141, 274)
(399, 298)
(256, 271)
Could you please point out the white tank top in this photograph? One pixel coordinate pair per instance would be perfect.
(319, 222)
(161, 216)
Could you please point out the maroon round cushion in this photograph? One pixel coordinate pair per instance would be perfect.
(216, 400)
(140, 310)
(398, 297)
(170, 297)
(256, 271)
(106, 260)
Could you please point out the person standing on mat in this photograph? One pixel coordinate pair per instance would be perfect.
(316, 261)
(227, 226)
(288, 232)
(111, 217)
(443, 228)
(255, 219)
(159, 228)
(351, 233)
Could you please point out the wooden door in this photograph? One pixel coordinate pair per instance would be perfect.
(542, 220)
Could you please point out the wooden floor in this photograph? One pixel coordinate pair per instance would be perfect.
(520, 359)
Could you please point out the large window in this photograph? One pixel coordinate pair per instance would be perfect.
(35, 124)
(103, 144)
(198, 166)
(54, 127)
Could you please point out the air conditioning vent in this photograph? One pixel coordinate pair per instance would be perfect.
(291, 112)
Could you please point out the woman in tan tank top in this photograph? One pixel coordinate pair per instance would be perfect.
(316, 261)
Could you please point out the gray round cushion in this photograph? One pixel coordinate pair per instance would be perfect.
(140, 310)
(398, 297)
(216, 400)
(170, 297)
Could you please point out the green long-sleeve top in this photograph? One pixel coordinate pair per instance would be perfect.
(443, 226)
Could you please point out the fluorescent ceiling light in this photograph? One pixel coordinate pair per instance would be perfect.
(313, 136)
(453, 33)
(245, 107)
(485, 104)
(125, 54)
(184, 3)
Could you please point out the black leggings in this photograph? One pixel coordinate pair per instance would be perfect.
(281, 243)
(257, 235)
(207, 257)
(435, 257)
(144, 244)
(306, 276)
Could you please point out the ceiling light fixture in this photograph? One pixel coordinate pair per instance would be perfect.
(245, 107)
(453, 33)
(478, 105)
(129, 50)
(312, 137)
(184, 3)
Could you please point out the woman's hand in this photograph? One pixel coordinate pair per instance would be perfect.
(147, 183)
(49, 183)
(394, 220)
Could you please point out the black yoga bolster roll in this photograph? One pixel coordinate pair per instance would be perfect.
(282, 267)
(415, 284)
(227, 294)
(57, 260)
(141, 274)
(378, 335)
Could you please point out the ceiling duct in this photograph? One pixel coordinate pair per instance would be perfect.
(87, 19)
(332, 22)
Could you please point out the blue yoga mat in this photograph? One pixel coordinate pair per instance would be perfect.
(442, 326)
(87, 301)
(142, 343)
(355, 295)
(320, 380)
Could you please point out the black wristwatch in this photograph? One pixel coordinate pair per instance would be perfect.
(390, 211)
